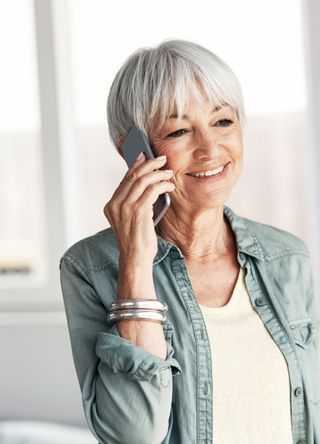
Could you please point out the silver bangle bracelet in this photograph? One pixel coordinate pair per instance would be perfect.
(153, 315)
(153, 304)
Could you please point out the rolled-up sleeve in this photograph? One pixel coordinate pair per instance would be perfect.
(121, 355)
(126, 390)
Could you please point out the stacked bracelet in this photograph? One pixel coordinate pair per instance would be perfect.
(151, 309)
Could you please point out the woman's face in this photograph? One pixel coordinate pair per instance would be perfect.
(202, 141)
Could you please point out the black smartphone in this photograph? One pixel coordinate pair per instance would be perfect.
(135, 143)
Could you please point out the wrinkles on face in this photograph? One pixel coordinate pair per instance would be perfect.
(201, 141)
(200, 138)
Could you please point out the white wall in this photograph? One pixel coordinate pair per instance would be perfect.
(38, 380)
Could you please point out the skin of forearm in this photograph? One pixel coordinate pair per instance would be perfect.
(141, 332)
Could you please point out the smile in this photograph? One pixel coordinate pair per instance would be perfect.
(209, 173)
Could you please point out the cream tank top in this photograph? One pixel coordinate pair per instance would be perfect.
(251, 384)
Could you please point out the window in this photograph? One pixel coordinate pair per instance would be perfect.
(58, 166)
(269, 65)
(21, 197)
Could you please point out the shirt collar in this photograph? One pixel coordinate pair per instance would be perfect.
(246, 239)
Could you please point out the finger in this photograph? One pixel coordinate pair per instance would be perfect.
(151, 195)
(129, 176)
(143, 182)
(137, 171)
(149, 165)
(141, 158)
(138, 161)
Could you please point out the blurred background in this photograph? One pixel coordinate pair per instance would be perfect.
(58, 167)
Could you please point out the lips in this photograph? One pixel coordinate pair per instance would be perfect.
(215, 178)
(206, 169)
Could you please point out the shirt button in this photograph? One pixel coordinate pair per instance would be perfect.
(298, 392)
(260, 302)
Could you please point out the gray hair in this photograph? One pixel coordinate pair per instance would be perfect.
(154, 80)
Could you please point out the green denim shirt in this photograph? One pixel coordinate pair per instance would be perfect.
(131, 396)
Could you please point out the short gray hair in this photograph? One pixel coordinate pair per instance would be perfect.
(154, 80)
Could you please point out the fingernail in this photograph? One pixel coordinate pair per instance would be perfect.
(161, 157)
(140, 155)
(168, 171)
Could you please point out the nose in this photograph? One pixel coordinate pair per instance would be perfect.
(207, 146)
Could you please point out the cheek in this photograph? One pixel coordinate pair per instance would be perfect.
(236, 145)
(158, 151)
(162, 148)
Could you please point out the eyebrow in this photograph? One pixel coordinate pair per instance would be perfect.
(185, 116)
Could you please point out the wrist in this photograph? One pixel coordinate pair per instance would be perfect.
(135, 284)
(135, 272)
(134, 262)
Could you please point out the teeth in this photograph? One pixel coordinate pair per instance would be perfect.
(208, 173)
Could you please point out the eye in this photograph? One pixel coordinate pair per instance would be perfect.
(223, 122)
(177, 133)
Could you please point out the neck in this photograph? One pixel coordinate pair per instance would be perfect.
(202, 236)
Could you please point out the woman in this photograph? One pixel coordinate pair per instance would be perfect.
(233, 360)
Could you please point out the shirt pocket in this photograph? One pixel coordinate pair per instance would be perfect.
(304, 333)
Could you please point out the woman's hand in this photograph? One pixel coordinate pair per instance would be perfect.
(130, 211)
